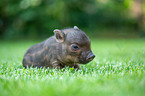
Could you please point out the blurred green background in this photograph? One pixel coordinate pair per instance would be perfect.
(117, 70)
(36, 19)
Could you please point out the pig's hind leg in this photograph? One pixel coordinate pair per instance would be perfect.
(27, 62)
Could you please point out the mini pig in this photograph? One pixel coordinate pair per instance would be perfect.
(67, 47)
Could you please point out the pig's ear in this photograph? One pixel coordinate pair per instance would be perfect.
(75, 27)
(59, 35)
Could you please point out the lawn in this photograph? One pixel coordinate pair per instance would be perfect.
(117, 70)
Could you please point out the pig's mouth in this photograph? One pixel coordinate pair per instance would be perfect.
(84, 62)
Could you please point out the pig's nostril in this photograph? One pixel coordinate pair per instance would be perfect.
(91, 57)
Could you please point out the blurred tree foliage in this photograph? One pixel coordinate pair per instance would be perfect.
(38, 18)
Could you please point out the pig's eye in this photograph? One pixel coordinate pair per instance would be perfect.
(75, 47)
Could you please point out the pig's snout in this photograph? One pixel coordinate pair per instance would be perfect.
(90, 57)
(87, 57)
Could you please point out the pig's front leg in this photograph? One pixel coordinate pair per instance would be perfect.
(77, 66)
(57, 65)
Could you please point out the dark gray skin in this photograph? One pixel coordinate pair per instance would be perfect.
(68, 47)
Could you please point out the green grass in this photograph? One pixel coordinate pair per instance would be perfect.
(117, 70)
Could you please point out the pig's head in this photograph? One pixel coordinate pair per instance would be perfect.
(75, 46)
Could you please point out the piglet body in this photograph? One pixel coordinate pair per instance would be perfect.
(68, 47)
